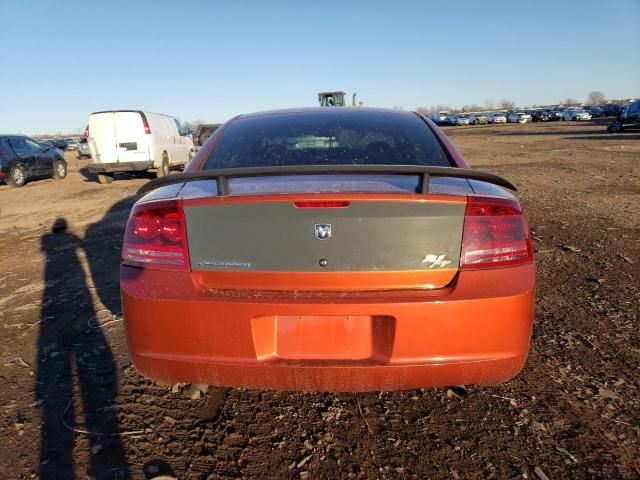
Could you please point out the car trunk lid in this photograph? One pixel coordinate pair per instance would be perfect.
(340, 242)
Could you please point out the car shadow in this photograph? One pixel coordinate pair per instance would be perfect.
(93, 178)
(550, 131)
(88, 176)
(608, 136)
(76, 379)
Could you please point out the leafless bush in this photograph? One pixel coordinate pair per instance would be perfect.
(571, 102)
(192, 124)
(507, 104)
(595, 98)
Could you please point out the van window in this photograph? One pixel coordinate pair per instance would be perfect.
(181, 130)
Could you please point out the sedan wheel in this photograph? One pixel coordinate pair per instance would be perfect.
(17, 176)
(59, 169)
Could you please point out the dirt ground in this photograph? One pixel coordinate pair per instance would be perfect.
(572, 413)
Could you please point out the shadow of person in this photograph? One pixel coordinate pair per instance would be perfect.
(75, 370)
(102, 245)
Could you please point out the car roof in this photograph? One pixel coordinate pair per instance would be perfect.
(144, 112)
(9, 135)
(328, 110)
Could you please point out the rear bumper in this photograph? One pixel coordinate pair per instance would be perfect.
(477, 331)
(119, 167)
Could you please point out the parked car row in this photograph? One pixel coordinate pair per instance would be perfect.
(526, 115)
(481, 118)
(62, 143)
(574, 113)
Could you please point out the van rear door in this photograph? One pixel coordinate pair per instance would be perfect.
(102, 137)
(131, 140)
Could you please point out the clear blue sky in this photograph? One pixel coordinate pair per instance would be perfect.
(212, 60)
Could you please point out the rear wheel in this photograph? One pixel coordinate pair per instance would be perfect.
(164, 169)
(17, 176)
(59, 169)
(204, 137)
(105, 178)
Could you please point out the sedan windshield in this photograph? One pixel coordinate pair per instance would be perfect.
(345, 137)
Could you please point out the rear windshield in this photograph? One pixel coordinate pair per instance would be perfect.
(357, 137)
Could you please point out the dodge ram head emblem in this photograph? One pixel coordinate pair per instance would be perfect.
(323, 230)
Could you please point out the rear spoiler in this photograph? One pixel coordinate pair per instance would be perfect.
(222, 175)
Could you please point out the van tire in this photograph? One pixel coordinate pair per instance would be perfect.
(17, 176)
(164, 169)
(105, 178)
(59, 169)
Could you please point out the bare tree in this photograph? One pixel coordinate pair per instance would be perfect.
(192, 124)
(424, 111)
(489, 105)
(507, 104)
(595, 98)
(571, 102)
(398, 107)
(474, 107)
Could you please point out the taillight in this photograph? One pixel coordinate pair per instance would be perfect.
(145, 123)
(322, 204)
(156, 236)
(495, 234)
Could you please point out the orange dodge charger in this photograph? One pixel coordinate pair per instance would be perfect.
(330, 249)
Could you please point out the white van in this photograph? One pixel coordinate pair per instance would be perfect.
(135, 141)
